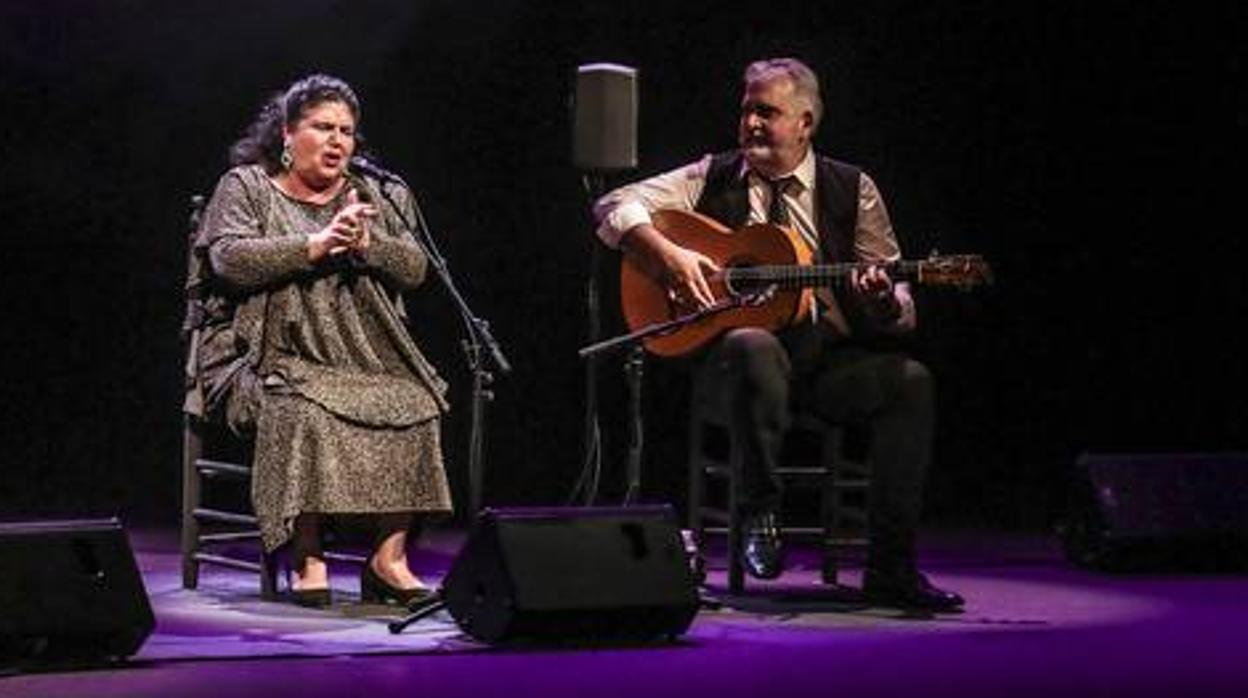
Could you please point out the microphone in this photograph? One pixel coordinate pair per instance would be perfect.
(363, 165)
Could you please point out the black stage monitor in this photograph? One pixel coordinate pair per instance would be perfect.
(573, 574)
(70, 590)
(1158, 511)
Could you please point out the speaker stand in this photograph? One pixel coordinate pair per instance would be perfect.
(586, 488)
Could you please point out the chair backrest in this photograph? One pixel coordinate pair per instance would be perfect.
(196, 272)
(193, 318)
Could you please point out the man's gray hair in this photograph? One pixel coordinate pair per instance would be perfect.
(805, 82)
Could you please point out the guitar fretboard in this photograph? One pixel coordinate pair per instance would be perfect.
(789, 276)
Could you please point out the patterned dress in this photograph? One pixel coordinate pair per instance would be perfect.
(314, 360)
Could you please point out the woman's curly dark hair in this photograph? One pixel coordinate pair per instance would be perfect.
(262, 142)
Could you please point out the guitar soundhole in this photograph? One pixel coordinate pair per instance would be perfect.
(737, 277)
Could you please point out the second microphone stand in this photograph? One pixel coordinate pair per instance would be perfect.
(633, 367)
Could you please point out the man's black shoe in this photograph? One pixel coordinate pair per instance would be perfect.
(912, 592)
(761, 549)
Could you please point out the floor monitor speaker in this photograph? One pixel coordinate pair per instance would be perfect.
(70, 590)
(1158, 511)
(572, 574)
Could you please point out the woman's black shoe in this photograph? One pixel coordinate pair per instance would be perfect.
(308, 598)
(374, 589)
(311, 598)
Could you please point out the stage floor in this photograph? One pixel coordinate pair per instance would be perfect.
(1033, 625)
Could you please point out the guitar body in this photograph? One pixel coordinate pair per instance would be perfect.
(645, 300)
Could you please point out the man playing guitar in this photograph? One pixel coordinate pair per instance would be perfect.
(825, 361)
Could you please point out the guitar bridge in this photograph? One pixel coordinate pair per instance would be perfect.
(757, 298)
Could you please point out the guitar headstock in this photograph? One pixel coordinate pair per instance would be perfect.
(964, 271)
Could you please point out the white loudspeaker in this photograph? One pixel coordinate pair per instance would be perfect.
(605, 127)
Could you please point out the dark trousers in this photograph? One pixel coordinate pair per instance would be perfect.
(761, 377)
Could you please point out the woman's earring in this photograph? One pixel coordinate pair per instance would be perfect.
(287, 158)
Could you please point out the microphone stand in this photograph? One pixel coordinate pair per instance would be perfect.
(478, 338)
(669, 326)
(417, 611)
(634, 342)
(634, 366)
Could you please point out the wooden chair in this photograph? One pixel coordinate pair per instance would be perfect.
(817, 454)
(216, 514)
(212, 533)
(218, 523)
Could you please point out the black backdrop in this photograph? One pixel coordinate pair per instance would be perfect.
(1091, 155)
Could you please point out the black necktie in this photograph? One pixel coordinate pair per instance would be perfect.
(777, 211)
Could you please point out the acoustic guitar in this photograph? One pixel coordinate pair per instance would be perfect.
(766, 280)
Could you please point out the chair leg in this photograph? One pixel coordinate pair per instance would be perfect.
(191, 448)
(828, 568)
(736, 571)
(268, 575)
(828, 502)
(736, 523)
(693, 504)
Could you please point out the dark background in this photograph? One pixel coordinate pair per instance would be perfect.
(1091, 155)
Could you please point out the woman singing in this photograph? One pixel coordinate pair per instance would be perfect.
(307, 349)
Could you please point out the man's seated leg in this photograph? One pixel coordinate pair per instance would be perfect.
(753, 369)
(892, 578)
(900, 453)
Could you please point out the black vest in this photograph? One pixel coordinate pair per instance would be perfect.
(725, 198)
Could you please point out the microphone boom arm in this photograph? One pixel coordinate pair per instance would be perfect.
(477, 327)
